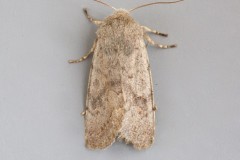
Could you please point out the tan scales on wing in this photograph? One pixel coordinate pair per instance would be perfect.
(120, 99)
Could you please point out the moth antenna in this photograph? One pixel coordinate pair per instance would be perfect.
(106, 4)
(153, 4)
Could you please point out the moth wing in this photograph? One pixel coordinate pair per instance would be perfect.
(120, 95)
(104, 104)
(139, 119)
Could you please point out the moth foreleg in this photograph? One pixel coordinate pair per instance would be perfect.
(85, 56)
(94, 21)
(151, 42)
(146, 29)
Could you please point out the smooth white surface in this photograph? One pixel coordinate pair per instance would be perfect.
(197, 85)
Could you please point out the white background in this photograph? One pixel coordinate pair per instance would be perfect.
(197, 85)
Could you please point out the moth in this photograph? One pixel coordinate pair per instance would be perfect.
(120, 103)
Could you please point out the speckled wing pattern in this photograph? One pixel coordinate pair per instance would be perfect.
(119, 101)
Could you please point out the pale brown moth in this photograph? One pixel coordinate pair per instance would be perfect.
(120, 102)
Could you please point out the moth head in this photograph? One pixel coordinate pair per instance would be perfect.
(121, 14)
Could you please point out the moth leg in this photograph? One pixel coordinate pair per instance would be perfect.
(154, 108)
(146, 29)
(85, 56)
(83, 113)
(151, 42)
(97, 22)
